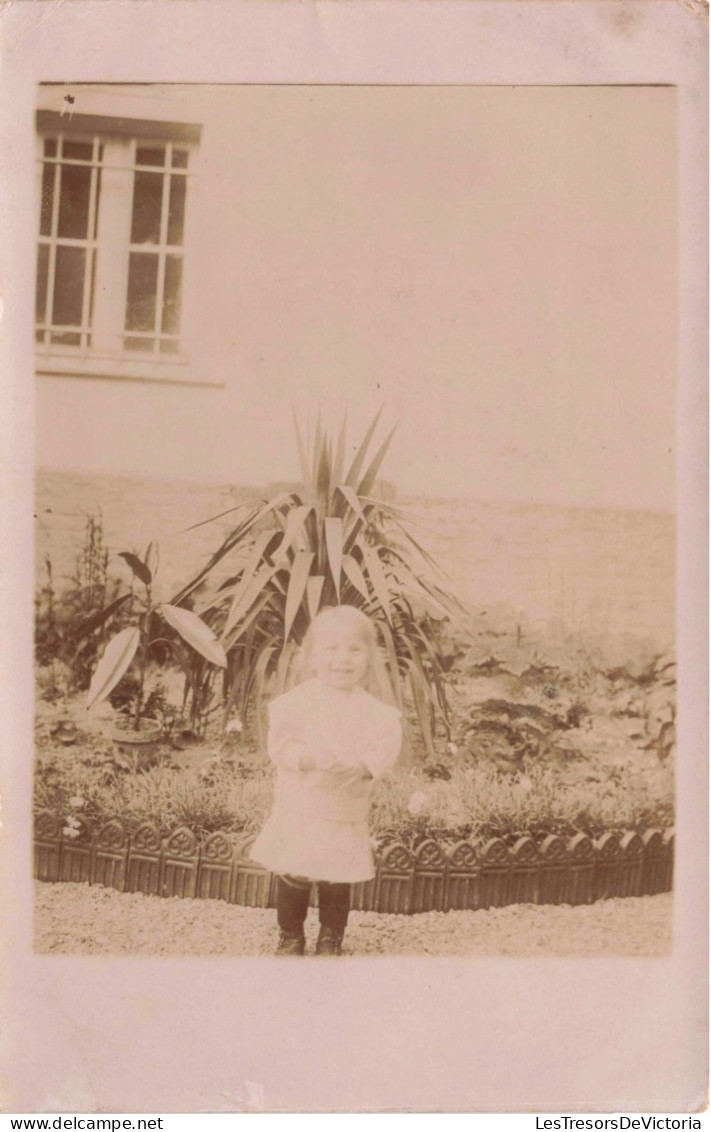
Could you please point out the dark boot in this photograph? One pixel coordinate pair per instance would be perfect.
(329, 942)
(334, 902)
(291, 944)
(292, 906)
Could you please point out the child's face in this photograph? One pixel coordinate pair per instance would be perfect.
(339, 656)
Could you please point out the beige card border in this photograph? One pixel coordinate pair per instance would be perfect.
(131, 1035)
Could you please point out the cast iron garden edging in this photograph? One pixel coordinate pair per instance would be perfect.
(432, 878)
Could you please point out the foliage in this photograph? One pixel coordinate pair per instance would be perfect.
(138, 637)
(474, 802)
(482, 802)
(547, 685)
(204, 802)
(65, 634)
(330, 542)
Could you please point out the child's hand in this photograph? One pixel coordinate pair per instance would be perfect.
(347, 776)
(318, 760)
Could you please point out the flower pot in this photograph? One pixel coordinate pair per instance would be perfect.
(136, 750)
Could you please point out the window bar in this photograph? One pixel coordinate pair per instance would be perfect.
(89, 260)
(52, 259)
(160, 288)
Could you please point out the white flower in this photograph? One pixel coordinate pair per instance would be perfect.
(452, 748)
(77, 803)
(70, 831)
(416, 802)
(525, 784)
(234, 726)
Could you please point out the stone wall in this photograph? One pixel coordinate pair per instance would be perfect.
(599, 569)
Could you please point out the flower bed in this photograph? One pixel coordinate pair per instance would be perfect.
(432, 877)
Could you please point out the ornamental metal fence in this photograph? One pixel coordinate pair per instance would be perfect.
(434, 877)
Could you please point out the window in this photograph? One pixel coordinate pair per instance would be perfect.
(112, 239)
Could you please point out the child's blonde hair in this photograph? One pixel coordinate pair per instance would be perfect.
(345, 617)
(353, 619)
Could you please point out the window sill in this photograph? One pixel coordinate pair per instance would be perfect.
(157, 371)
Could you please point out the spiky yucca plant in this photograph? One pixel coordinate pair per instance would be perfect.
(331, 542)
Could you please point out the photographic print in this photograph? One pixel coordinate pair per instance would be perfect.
(358, 560)
(488, 267)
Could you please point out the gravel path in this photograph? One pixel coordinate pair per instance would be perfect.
(80, 919)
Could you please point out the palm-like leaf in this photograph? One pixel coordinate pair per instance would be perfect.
(331, 542)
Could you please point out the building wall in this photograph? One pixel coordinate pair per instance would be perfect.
(492, 265)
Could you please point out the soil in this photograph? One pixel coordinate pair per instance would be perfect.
(82, 919)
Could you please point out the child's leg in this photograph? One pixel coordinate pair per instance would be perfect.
(292, 907)
(334, 903)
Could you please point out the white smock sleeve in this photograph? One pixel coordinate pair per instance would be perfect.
(382, 747)
(285, 745)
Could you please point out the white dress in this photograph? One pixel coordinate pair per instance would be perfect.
(318, 828)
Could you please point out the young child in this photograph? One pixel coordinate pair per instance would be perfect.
(329, 739)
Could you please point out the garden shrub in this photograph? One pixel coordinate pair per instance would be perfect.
(63, 641)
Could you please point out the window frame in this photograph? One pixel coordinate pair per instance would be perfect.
(102, 352)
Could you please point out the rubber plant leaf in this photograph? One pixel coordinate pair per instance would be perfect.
(152, 557)
(139, 568)
(195, 632)
(94, 620)
(116, 660)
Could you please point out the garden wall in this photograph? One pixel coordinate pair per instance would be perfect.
(432, 878)
(597, 569)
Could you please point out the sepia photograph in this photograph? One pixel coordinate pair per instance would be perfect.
(355, 519)
(358, 548)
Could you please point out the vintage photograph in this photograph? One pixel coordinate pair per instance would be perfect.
(355, 520)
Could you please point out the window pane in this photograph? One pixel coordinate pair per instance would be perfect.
(74, 202)
(176, 210)
(171, 294)
(50, 147)
(68, 286)
(180, 158)
(78, 151)
(141, 297)
(169, 346)
(70, 339)
(41, 291)
(145, 156)
(144, 344)
(147, 198)
(47, 199)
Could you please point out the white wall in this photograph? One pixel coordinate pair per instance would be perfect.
(497, 265)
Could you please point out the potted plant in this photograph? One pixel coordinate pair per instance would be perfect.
(135, 736)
